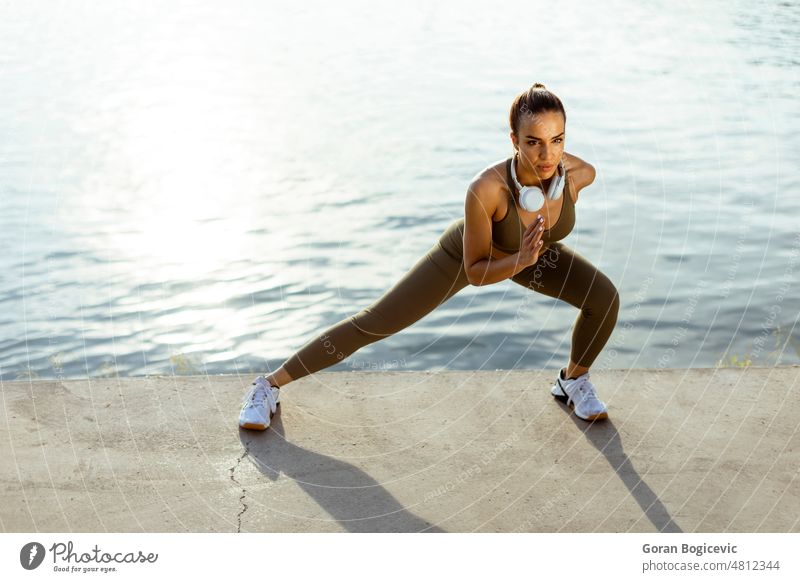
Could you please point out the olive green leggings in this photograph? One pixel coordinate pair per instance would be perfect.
(560, 272)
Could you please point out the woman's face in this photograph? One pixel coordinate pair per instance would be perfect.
(540, 142)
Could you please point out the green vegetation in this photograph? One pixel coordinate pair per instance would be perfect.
(783, 340)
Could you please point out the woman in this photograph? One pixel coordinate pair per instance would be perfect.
(500, 237)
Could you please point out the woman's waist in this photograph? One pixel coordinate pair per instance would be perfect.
(452, 239)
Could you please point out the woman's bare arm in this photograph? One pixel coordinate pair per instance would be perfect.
(481, 268)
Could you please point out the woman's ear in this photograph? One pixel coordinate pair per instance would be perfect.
(514, 141)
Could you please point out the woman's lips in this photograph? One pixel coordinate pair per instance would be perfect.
(546, 168)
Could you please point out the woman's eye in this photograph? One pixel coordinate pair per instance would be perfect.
(533, 143)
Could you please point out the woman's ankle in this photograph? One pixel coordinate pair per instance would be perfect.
(279, 378)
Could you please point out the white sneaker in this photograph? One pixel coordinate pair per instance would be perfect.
(259, 405)
(579, 393)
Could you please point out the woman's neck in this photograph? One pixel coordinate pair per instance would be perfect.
(528, 177)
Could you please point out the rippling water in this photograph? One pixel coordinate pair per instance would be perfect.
(200, 189)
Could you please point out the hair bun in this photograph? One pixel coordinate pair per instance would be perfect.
(533, 101)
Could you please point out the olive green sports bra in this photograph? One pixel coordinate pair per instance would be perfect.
(507, 233)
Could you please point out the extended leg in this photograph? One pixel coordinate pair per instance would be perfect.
(435, 278)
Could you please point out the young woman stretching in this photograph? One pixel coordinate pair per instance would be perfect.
(510, 230)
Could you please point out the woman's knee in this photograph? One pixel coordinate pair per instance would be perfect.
(614, 301)
(603, 297)
(372, 324)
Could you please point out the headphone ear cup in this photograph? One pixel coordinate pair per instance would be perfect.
(531, 198)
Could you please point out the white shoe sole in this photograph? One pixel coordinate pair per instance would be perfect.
(255, 426)
(558, 393)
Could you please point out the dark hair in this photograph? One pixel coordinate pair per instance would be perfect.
(535, 100)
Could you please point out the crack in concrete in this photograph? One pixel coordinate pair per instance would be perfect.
(244, 491)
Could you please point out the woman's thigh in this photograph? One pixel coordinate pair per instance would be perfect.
(564, 274)
(431, 281)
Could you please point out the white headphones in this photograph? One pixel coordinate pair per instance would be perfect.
(531, 198)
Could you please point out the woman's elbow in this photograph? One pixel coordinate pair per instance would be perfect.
(472, 279)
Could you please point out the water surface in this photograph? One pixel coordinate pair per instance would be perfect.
(201, 188)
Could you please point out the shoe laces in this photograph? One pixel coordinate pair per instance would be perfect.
(260, 391)
(583, 387)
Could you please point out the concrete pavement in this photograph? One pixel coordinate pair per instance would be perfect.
(683, 450)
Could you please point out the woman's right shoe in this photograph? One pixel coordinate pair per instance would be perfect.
(259, 405)
(579, 394)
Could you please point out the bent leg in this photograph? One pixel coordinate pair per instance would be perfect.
(563, 274)
(435, 278)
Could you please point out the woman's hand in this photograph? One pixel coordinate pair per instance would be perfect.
(531, 244)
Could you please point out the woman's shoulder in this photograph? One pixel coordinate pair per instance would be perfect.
(487, 190)
(491, 180)
(494, 172)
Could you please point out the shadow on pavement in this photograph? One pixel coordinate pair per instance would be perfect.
(606, 439)
(348, 494)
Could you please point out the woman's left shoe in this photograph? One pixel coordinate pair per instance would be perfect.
(259, 405)
(579, 393)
